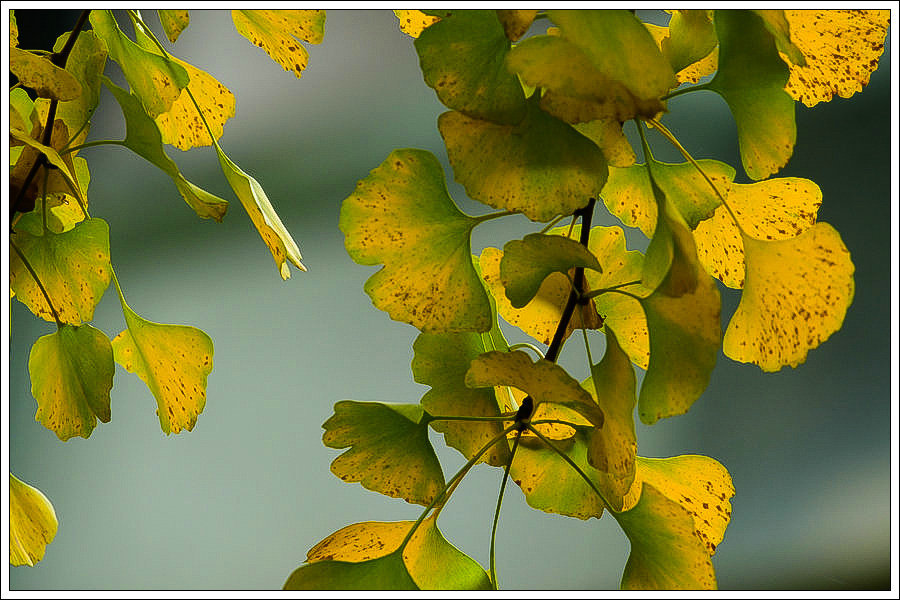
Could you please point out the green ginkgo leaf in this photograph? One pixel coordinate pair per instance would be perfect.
(173, 360)
(73, 268)
(388, 449)
(751, 78)
(402, 216)
(32, 523)
(277, 32)
(540, 167)
(42, 76)
(142, 136)
(516, 22)
(372, 556)
(71, 376)
(462, 57)
(174, 22)
(691, 37)
(86, 62)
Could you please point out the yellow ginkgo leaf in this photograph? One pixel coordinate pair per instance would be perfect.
(32, 523)
(41, 75)
(277, 32)
(841, 48)
(174, 22)
(609, 137)
(413, 22)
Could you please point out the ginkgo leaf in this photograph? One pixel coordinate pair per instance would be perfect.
(277, 32)
(174, 22)
(527, 262)
(155, 79)
(369, 556)
(776, 22)
(773, 209)
(45, 78)
(841, 48)
(401, 216)
(142, 137)
(22, 116)
(413, 22)
(71, 376)
(86, 62)
(267, 222)
(173, 360)
(695, 71)
(796, 294)
(462, 58)
(73, 268)
(541, 166)
(62, 178)
(516, 22)
(607, 134)
(13, 30)
(389, 451)
(691, 37)
(751, 79)
(32, 523)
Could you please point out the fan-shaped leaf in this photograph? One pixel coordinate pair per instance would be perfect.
(277, 32)
(413, 22)
(607, 134)
(174, 22)
(86, 62)
(41, 75)
(32, 523)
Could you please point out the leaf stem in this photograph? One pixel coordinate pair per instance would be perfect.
(503, 417)
(38, 281)
(550, 225)
(495, 215)
(612, 288)
(531, 347)
(512, 455)
(685, 90)
(92, 144)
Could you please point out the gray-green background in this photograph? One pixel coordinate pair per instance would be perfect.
(237, 502)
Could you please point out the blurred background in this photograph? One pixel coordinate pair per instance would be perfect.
(236, 503)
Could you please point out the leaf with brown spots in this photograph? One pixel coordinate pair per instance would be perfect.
(61, 178)
(173, 360)
(401, 216)
(73, 267)
(388, 449)
(174, 22)
(796, 294)
(516, 22)
(32, 523)
(39, 74)
(841, 48)
(277, 32)
(71, 375)
(413, 22)
(86, 62)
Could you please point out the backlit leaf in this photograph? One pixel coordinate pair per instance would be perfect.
(277, 32)
(62, 178)
(776, 22)
(540, 167)
(401, 216)
(413, 22)
(32, 523)
(751, 79)
(71, 375)
(462, 57)
(72, 266)
(174, 22)
(41, 75)
(13, 29)
(607, 134)
(86, 62)
(516, 22)
(691, 37)
(173, 360)
(796, 294)
(389, 451)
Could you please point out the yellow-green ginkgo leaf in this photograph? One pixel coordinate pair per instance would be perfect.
(155, 79)
(777, 23)
(841, 48)
(693, 72)
(42, 76)
(22, 116)
(516, 22)
(86, 62)
(373, 556)
(413, 22)
(773, 209)
(173, 360)
(608, 135)
(541, 166)
(388, 449)
(32, 523)
(796, 294)
(751, 79)
(13, 30)
(62, 177)
(71, 375)
(462, 58)
(73, 268)
(691, 37)
(174, 22)
(277, 32)
(402, 216)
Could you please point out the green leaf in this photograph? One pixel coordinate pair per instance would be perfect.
(389, 451)
(72, 266)
(173, 360)
(516, 22)
(22, 115)
(45, 78)
(401, 216)
(174, 22)
(540, 167)
(71, 375)
(142, 136)
(462, 57)
(751, 78)
(691, 38)
(277, 32)
(32, 523)
(777, 24)
(86, 62)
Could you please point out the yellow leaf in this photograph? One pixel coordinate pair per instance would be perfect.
(360, 542)
(41, 75)
(277, 32)
(174, 22)
(841, 48)
(32, 523)
(413, 22)
(608, 135)
(516, 22)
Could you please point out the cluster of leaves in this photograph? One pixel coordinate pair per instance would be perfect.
(60, 263)
(535, 128)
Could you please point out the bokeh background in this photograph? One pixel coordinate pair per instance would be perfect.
(236, 503)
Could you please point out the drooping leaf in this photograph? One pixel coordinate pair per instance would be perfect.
(462, 58)
(691, 37)
(277, 32)
(142, 137)
(607, 134)
(42, 76)
(173, 360)
(695, 71)
(841, 48)
(368, 556)
(72, 266)
(751, 78)
(516, 22)
(389, 451)
(413, 22)
(541, 166)
(776, 22)
(401, 216)
(32, 523)
(22, 116)
(174, 22)
(71, 375)
(86, 62)
(62, 177)
(796, 294)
